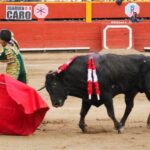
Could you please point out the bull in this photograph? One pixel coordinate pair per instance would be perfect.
(128, 74)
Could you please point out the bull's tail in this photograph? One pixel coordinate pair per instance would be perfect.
(41, 88)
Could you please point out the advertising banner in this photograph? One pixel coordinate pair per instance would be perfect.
(18, 12)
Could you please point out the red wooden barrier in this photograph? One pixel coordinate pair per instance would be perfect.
(111, 10)
(56, 10)
(42, 34)
(56, 34)
(77, 10)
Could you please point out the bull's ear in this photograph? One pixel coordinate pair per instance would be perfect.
(50, 72)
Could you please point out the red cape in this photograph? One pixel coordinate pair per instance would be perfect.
(21, 108)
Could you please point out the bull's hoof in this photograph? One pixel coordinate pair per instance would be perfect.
(121, 130)
(118, 126)
(148, 121)
(84, 130)
(83, 127)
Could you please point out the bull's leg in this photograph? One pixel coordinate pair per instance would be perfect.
(129, 100)
(110, 110)
(84, 110)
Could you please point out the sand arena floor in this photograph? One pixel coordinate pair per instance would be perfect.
(60, 131)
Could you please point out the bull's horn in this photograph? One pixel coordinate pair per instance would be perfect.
(41, 88)
(51, 72)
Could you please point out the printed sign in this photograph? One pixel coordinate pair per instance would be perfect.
(130, 8)
(18, 12)
(40, 10)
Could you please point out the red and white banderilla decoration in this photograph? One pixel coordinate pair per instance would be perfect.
(92, 78)
(66, 65)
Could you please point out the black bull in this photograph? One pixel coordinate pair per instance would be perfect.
(117, 74)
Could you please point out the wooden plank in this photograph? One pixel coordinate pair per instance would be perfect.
(55, 49)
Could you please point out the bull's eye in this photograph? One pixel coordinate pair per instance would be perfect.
(54, 85)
